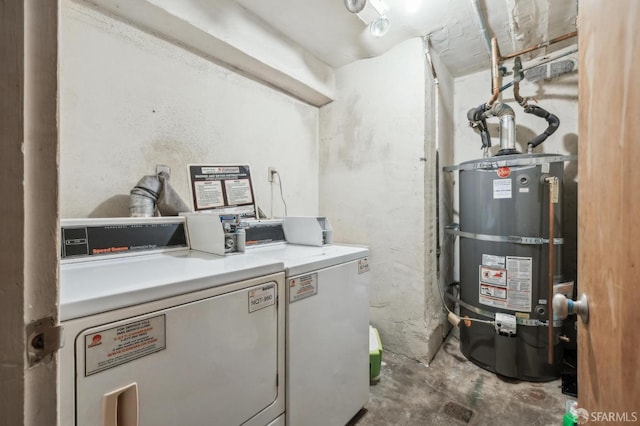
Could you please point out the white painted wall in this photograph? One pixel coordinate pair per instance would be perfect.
(378, 190)
(225, 31)
(129, 101)
(558, 96)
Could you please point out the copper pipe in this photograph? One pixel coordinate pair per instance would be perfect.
(552, 181)
(539, 46)
(517, 70)
(495, 72)
(516, 92)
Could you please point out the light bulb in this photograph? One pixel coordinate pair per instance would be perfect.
(355, 6)
(380, 26)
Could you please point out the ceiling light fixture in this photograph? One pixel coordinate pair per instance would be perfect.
(373, 14)
(380, 26)
(355, 6)
(412, 6)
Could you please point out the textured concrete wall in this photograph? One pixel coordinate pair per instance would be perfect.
(441, 98)
(29, 176)
(377, 184)
(129, 101)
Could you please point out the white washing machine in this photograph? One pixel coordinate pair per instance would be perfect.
(327, 331)
(171, 338)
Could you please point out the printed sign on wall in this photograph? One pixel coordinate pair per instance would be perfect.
(224, 189)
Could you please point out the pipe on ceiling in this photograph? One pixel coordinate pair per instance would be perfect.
(482, 24)
(539, 46)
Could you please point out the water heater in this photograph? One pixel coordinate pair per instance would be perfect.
(504, 263)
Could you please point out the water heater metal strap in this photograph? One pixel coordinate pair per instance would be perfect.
(488, 314)
(494, 163)
(511, 239)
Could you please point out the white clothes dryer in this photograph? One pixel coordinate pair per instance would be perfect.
(327, 299)
(172, 338)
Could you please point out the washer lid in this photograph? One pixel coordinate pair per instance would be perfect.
(88, 288)
(299, 259)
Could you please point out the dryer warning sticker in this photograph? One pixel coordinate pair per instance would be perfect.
(262, 297)
(508, 286)
(118, 345)
(302, 287)
(363, 265)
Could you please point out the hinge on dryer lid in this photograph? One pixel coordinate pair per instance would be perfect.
(44, 337)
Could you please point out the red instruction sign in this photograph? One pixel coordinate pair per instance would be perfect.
(303, 287)
(124, 343)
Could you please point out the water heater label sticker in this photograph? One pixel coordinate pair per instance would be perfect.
(118, 345)
(492, 260)
(303, 287)
(494, 276)
(501, 188)
(493, 292)
(506, 288)
(262, 297)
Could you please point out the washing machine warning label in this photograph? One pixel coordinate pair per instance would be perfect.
(262, 297)
(118, 345)
(506, 287)
(302, 287)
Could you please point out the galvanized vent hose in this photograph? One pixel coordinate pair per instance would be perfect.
(155, 192)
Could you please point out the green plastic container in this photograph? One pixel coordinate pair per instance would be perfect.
(375, 354)
(570, 417)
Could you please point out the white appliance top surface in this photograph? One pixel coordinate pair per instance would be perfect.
(299, 259)
(95, 286)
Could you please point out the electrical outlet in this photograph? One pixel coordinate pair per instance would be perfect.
(272, 171)
(162, 168)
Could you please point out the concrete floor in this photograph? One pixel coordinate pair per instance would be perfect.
(454, 391)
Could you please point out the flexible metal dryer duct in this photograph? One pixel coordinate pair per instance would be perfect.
(155, 191)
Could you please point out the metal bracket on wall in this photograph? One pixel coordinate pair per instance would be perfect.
(44, 337)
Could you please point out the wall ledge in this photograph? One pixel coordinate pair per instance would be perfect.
(228, 34)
